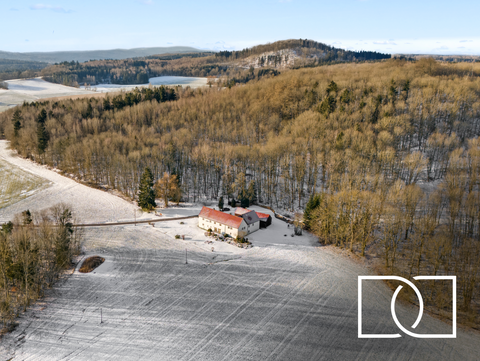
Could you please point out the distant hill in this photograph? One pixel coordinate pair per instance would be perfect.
(81, 56)
(284, 52)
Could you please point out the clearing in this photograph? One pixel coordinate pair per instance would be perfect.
(17, 184)
(30, 90)
(283, 299)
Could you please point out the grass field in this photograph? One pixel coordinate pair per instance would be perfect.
(16, 184)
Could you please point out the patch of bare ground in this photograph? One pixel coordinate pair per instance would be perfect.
(91, 263)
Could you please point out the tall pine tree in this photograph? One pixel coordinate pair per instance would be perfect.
(312, 204)
(16, 120)
(146, 195)
(42, 134)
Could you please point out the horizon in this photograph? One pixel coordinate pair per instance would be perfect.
(350, 24)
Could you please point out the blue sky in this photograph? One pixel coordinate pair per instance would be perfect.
(431, 27)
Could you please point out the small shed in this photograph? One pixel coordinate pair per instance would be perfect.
(265, 219)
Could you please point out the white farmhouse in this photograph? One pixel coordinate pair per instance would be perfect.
(220, 222)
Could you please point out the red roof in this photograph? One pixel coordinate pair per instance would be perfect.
(220, 217)
(239, 211)
(262, 215)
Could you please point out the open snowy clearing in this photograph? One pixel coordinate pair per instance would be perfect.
(16, 184)
(33, 89)
(157, 81)
(30, 90)
(280, 301)
(90, 205)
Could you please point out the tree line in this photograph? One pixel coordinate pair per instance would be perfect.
(385, 152)
(35, 249)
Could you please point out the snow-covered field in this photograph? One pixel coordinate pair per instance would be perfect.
(157, 81)
(16, 184)
(34, 89)
(283, 299)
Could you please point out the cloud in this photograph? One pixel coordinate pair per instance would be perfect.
(384, 43)
(336, 43)
(284, 1)
(466, 41)
(170, 43)
(460, 47)
(13, 9)
(145, 2)
(57, 9)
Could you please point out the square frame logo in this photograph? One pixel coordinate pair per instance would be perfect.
(420, 313)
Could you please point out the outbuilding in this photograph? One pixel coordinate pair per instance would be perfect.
(250, 217)
(265, 219)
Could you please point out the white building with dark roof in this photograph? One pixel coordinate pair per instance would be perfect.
(250, 217)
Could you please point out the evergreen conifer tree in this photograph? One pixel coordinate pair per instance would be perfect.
(146, 195)
(16, 120)
(220, 203)
(42, 134)
(312, 204)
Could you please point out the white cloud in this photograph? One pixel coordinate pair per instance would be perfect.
(384, 43)
(145, 2)
(466, 41)
(57, 9)
(13, 9)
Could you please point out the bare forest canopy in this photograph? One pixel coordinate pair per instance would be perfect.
(15, 69)
(81, 56)
(325, 53)
(386, 154)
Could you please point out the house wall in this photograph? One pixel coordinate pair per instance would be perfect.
(253, 227)
(217, 227)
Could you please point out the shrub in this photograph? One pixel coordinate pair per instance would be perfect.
(177, 236)
(242, 240)
(91, 263)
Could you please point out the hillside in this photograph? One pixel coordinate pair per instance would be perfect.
(14, 69)
(296, 53)
(232, 66)
(81, 56)
(386, 152)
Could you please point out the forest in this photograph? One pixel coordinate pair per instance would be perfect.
(383, 157)
(15, 69)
